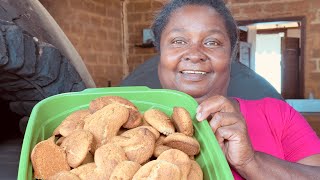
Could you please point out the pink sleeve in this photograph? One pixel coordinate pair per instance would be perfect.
(298, 139)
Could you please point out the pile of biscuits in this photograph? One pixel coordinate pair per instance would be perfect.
(113, 140)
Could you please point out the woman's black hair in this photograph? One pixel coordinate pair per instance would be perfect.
(163, 16)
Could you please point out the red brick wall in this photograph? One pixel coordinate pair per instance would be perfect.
(140, 13)
(94, 28)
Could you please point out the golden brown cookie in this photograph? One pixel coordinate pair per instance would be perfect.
(125, 170)
(77, 145)
(72, 122)
(84, 171)
(48, 159)
(160, 149)
(182, 121)
(178, 158)
(89, 171)
(158, 170)
(160, 140)
(145, 123)
(64, 175)
(138, 144)
(105, 123)
(134, 119)
(195, 171)
(100, 102)
(180, 141)
(159, 120)
(88, 159)
(107, 157)
(150, 128)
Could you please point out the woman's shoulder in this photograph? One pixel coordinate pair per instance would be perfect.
(267, 101)
(268, 106)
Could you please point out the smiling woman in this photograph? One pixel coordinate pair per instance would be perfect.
(196, 56)
(261, 139)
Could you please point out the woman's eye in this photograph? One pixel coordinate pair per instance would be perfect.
(179, 42)
(212, 43)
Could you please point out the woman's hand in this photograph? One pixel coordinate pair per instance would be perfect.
(229, 127)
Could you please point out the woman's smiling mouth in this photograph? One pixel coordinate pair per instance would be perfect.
(193, 72)
(193, 75)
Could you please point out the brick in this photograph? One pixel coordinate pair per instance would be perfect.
(89, 6)
(83, 18)
(243, 1)
(106, 22)
(274, 7)
(99, 1)
(100, 10)
(235, 10)
(113, 13)
(298, 7)
(316, 53)
(314, 4)
(130, 7)
(156, 5)
(251, 10)
(314, 77)
(76, 4)
(142, 6)
(135, 17)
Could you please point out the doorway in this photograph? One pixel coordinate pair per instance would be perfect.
(275, 49)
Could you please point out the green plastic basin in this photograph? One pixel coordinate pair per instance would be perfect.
(50, 112)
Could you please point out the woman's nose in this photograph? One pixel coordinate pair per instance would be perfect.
(195, 54)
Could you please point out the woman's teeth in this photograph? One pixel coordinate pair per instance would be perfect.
(194, 72)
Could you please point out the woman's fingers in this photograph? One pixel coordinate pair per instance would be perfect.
(212, 105)
(221, 119)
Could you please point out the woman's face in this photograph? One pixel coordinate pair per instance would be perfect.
(195, 53)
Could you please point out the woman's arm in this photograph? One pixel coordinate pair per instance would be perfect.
(264, 166)
(230, 130)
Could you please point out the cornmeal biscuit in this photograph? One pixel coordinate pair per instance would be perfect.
(105, 123)
(150, 128)
(125, 170)
(48, 159)
(160, 140)
(158, 170)
(88, 159)
(77, 146)
(100, 102)
(134, 119)
(64, 175)
(180, 141)
(72, 122)
(83, 170)
(138, 144)
(159, 120)
(178, 158)
(195, 171)
(182, 121)
(159, 149)
(107, 157)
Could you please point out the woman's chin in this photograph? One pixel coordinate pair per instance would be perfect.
(195, 92)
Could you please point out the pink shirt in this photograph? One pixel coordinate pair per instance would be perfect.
(277, 129)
